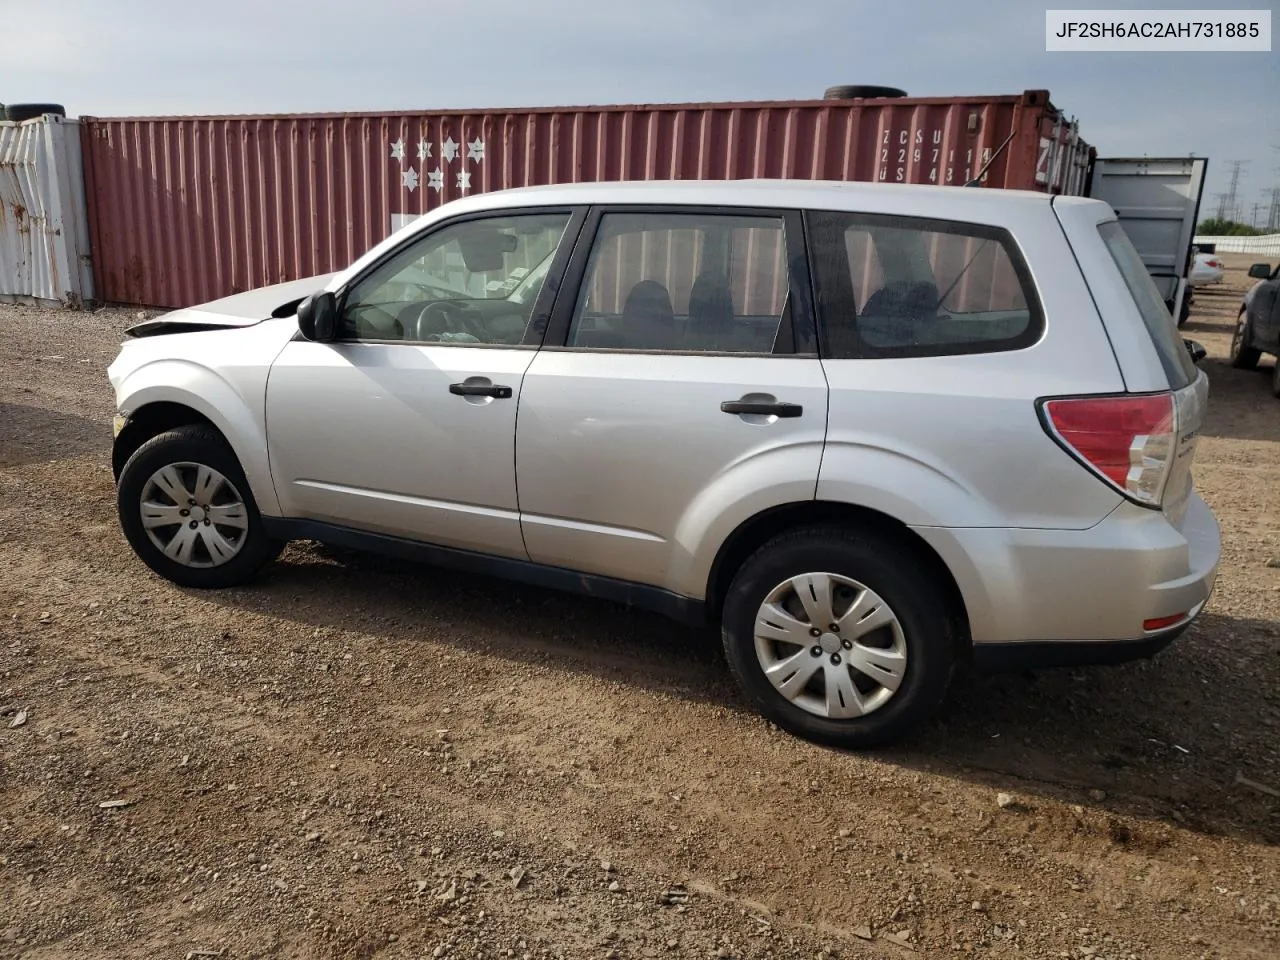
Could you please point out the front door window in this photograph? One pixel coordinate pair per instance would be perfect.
(473, 282)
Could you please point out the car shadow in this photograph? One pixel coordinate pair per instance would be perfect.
(1164, 739)
(1205, 325)
(31, 434)
(1241, 404)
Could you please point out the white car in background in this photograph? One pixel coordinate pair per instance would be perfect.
(1208, 268)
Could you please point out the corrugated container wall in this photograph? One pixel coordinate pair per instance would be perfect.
(44, 232)
(184, 210)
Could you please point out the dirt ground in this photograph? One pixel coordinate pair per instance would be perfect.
(358, 758)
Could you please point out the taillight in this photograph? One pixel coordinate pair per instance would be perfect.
(1215, 264)
(1159, 623)
(1127, 440)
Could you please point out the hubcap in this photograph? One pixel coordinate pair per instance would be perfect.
(830, 645)
(194, 515)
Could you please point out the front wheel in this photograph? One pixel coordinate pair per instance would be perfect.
(187, 510)
(1243, 356)
(839, 636)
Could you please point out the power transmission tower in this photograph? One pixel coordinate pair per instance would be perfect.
(1273, 219)
(1253, 217)
(1228, 208)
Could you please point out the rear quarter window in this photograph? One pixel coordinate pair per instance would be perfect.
(913, 287)
(1174, 358)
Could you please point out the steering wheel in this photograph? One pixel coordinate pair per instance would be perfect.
(443, 316)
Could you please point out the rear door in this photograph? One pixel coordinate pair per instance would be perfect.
(678, 393)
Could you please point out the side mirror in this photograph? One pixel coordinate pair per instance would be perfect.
(1260, 271)
(1196, 349)
(318, 317)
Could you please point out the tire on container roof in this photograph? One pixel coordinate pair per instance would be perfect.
(862, 92)
(29, 111)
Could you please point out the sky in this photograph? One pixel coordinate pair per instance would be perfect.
(138, 57)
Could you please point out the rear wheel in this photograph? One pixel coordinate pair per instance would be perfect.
(838, 636)
(1243, 356)
(187, 510)
(1275, 378)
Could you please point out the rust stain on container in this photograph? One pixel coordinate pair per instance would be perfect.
(187, 209)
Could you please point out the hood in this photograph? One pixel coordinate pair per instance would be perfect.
(238, 310)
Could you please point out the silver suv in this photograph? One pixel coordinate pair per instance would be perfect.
(868, 430)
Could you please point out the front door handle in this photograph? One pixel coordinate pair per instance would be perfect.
(763, 408)
(472, 389)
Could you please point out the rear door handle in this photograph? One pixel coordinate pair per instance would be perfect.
(766, 409)
(469, 389)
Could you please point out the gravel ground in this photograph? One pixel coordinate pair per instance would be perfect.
(358, 758)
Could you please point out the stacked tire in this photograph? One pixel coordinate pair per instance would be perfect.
(17, 112)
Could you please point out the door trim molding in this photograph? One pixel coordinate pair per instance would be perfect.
(455, 506)
(684, 609)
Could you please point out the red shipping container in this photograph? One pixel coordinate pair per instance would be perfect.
(187, 209)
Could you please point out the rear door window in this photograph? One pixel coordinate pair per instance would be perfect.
(911, 287)
(686, 283)
(1174, 358)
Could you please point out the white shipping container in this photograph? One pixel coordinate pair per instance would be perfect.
(44, 229)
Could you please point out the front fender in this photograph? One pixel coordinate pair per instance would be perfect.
(237, 413)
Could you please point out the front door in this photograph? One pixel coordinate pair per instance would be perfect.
(678, 393)
(406, 424)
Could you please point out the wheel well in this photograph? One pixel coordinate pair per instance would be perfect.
(761, 528)
(150, 421)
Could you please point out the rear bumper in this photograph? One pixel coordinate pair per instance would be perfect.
(1044, 654)
(1092, 588)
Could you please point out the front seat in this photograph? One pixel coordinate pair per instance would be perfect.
(648, 321)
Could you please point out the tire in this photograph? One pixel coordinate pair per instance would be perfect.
(187, 451)
(29, 111)
(862, 91)
(891, 572)
(1275, 378)
(1243, 356)
(1184, 312)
